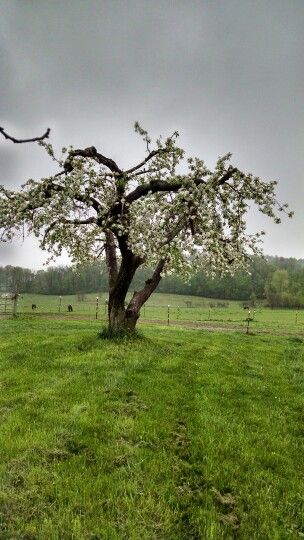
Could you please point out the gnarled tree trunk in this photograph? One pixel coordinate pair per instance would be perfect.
(121, 318)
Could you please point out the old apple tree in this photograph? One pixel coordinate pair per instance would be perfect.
(167, 212)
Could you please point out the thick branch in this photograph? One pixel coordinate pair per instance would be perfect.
(228, 174)
(155, 186)
(140, 297)
(91, 152)
(86, 221)
(158, 186)
(20, 141)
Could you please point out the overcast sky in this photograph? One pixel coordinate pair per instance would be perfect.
(228, 74)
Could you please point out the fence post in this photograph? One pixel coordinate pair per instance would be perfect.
(15, 298)
(60, 301)
(178, 312)
(297, 317)
(97, 305)
(168, 319)
(248, 322)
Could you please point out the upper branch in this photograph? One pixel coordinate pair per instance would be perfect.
(19, 141)
(86, 221)
(91, 152)
(150, 156)
(157, 186)
(228, 174)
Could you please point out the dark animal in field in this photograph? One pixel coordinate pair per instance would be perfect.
(246, 307)
(34, 307)
(70, 308)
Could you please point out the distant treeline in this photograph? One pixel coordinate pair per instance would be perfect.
(279, 280)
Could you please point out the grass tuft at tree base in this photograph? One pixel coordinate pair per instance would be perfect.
(120, 335)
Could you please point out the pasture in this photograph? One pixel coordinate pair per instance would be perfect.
(183, 311)
(182, 434)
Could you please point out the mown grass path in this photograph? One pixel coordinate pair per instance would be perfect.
(181, 435)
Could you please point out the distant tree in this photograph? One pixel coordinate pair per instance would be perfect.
(16, 279)
(166, 211)
(277, 289)
(253, 299)
(280, 281)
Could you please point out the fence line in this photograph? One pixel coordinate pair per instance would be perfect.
(8, 304)
(222, 315)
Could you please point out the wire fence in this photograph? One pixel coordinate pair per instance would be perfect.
(221, 315)
(8, 304)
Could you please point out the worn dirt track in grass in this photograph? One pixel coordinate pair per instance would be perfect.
(215, 327)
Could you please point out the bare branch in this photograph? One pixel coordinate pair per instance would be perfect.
(91, 152)
(150, 156)
(145, 171)
(20, 141)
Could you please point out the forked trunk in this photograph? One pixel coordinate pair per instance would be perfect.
(120, 319)
(123, 319)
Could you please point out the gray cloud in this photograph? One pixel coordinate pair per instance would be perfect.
(227, 74)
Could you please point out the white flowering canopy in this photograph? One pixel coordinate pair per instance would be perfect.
(167, 208)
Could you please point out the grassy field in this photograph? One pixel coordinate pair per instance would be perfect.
(187, 309)
(182, 434)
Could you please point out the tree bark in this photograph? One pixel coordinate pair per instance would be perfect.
(123, 319)
(119, 318)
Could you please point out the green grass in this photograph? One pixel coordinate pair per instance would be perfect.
(182, 434)
(280, 321)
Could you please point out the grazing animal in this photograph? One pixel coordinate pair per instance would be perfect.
(246, 307)
(34, 307)
(70, 308)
